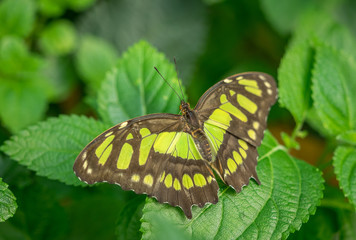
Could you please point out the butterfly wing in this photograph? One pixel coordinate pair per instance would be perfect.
(153, 155)
(234, 112)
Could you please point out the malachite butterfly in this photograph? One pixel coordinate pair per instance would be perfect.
(173, 157)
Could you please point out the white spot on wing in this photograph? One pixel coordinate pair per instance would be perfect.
(269, 91)
(89, 171)
(227, 80)
(122, 125)
(84, 156)
(262, 77)
(108, 134)
(267, 84)
(85, 164)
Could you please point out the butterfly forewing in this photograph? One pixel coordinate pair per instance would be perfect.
(234, 113)
(153, 155)
(240, 105)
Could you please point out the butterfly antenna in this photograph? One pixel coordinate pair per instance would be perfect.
(168, 83)
(179, 82)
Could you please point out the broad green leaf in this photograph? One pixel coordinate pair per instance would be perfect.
(16, 17)
(52, 8)
(95, 210)
(40, 214)
(56, 8)
(134, 88)
(333, 218)
(345, 168)
(212, 2)
(348, 225)
(346, 12)
(15, 59)
(7, 202)
(60, 77)
(319, 25)
(289, 141)
(295, 71)
(22, 104)
(14, 174)
(314, 121)
(24, 88)
(58, 38)
(171, 26)
(334, 89)
(290, 191)
(50, 148)
(283, 15)
(162, 228)
(94, 59)
(79, 5)
(128, 223)
(294, 76)
(348, 137)
(321, 226)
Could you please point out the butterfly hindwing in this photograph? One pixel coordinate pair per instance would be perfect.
(240, 105)
(153, 155)
(236, 162)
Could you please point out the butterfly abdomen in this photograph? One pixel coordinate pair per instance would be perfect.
(193, 126)
(202, 144)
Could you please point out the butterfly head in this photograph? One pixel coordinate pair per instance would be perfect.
(184, 107)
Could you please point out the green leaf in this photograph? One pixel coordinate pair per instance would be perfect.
(212, 2)
(22, 104)
(294, 76)
(79, 5)
(348, 137)
(348, 223)
(333, 218)
(295, 71)
(60, 77)
(16, 17)
(289, 141)
(134, 88)
(15, 59)
(92, 212)
(22, 92)
(319, 26)
(344, 162)
(334, 90)
(163, 227)
(129, 223)
(58, 38)
(93, 60)
(8, 204)
(50, 148)
(56, 8)
(283, 15)
(290, 191)
(40, 214)
(171, 26)
(321, 226)
(52, 8)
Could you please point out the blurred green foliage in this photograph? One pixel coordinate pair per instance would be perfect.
(76, 57)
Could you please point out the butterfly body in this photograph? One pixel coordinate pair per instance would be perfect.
(172, 157)
(193, 126)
